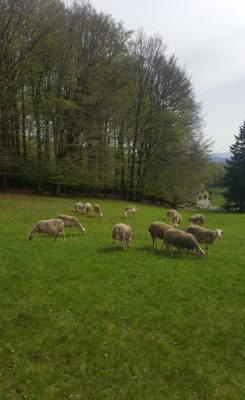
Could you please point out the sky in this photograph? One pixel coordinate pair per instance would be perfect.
(208, 39)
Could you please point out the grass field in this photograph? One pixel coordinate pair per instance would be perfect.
(82, 321)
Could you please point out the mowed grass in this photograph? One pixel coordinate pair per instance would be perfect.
(82, 321)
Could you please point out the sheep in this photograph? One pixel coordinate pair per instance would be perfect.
(204, 235)
(130, 210)
(123, 233)
(177, 220)
(87, 208)
(197, 219)
(53, 227)
(157, 230)
(182, 240)
(170, 213)
(79, 207)
(72, 222)
(97, 210)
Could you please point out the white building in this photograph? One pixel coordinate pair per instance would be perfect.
(203, 199)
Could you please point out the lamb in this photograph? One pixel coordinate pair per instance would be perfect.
(97, 210)
(79, 207)
(72, 222)
(169, 214)
(204, 235)
(157, 230)
(177, 220)
(182, 240)
(53, 227)
(130, 210)
(197, 219)
(123, 233)
(87, 208)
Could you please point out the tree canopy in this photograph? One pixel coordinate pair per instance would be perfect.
(235, 171)
(88, 106)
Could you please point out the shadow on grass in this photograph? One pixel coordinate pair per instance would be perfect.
(111, 250)
(93, 216)
(166, 254)
(148, 250)
(45, 237)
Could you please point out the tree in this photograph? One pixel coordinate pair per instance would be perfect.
(87, 105)
(235, 171)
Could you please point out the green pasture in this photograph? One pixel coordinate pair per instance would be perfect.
(82, 321)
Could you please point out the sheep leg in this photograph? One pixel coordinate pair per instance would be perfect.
(168, 247)
(163, 243)
(154, 243)
(124, 244)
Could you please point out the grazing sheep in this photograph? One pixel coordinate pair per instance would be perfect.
(123, 233)
(72, 222)
(169, 214)
(182, 240)
(97, 210)
(53, 227)
(177, 220)
(87, 208)
(130, 210)
(204, 235)
(197, 219)
(79, 207)
(157, 230)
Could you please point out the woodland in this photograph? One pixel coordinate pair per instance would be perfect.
(89, 107)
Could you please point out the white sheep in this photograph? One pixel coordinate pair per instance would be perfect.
(123, 233)
(176, 217)
(197, 219)
(72, 222)
(87, 208)
(182, 240)
(97, 210)
(177, 220)
(170, 214)
(204, 235)
(53, 227)
(157, 230)
(79, 207)
(130, 210)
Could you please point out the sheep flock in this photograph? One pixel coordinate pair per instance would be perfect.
(171, 236)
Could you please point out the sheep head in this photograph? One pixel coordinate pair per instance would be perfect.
(218, 233)
(200, 252)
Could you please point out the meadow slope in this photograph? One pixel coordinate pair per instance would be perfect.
(79, 320)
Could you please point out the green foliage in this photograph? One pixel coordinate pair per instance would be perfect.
(217, 195)
(85, 102)
(80, 320)
(235, 176)
(217, 174)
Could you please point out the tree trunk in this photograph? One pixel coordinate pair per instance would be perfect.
(23, 123)
(16, 129)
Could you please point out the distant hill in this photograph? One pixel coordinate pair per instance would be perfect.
(220, 157)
